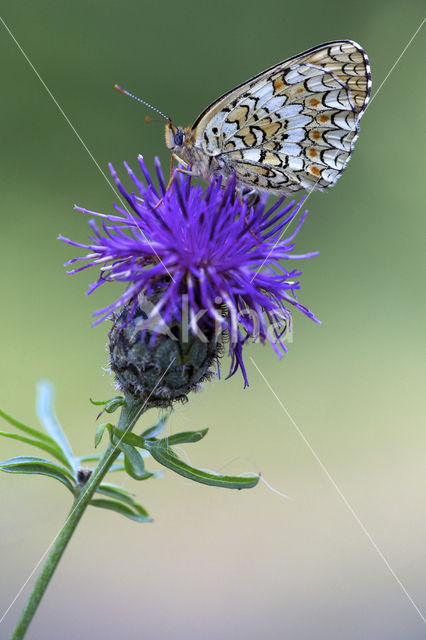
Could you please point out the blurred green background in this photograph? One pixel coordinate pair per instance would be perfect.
(218, 564)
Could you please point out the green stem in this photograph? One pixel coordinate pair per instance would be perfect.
(128, 417)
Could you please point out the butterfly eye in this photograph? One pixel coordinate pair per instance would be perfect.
(178, 138)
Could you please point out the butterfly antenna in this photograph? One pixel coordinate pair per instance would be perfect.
(126, 93)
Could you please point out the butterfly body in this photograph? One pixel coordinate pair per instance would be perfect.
(203, 165)
(289, 128)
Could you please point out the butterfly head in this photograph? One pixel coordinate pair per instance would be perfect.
(175, 137)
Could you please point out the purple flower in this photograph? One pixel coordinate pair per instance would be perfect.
(212, 257)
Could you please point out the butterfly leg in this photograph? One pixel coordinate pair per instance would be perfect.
(251, 198)
(186, 170)
(169, 184)
(179, 160)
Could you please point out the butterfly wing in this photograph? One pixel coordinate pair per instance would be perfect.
(294, 125)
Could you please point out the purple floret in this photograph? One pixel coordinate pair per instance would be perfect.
(209, 255)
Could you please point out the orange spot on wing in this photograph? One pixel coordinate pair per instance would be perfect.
(312, 153)
(315, 171)
(324, 118)
(316, 135)
(314, 102)
(278, 84)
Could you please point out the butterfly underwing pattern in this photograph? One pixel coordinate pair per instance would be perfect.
(289, 128)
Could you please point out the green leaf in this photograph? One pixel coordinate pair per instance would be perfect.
(50, 447)
(184, 436)
(134, 511)
(145, 476)
(98, 403)
(156, 428)
(113, 404)
(169, 459)
(116, 467)
(93, 457)
(133, 461)
(100, 431)
(35, 433)
(128, 437)
(135, 473)
(47, 417)
(41, 466)
(116, 492)
(148, 474)
(116, 401)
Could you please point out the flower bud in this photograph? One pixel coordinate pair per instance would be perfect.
(156, 367)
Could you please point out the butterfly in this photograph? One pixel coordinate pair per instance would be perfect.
(288, 128)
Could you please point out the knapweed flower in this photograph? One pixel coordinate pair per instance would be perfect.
(201, 259)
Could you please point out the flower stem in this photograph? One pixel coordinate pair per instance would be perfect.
(128, 417)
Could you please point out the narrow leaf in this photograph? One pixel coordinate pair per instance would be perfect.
(35, 433)
(156, 428)
(98, 403)
(47, 417)
(135, 474)
(148, 474)
(184, 436)
(39, 466)
(49, 447)
(94, 457)
(169, 459)
(145, 476)
(116, 402)
(134, 512)
(115, 491)
(116, 467)
(100, 432)
(133, 461)
(97, 456)
(113, 404)
(128, 437)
